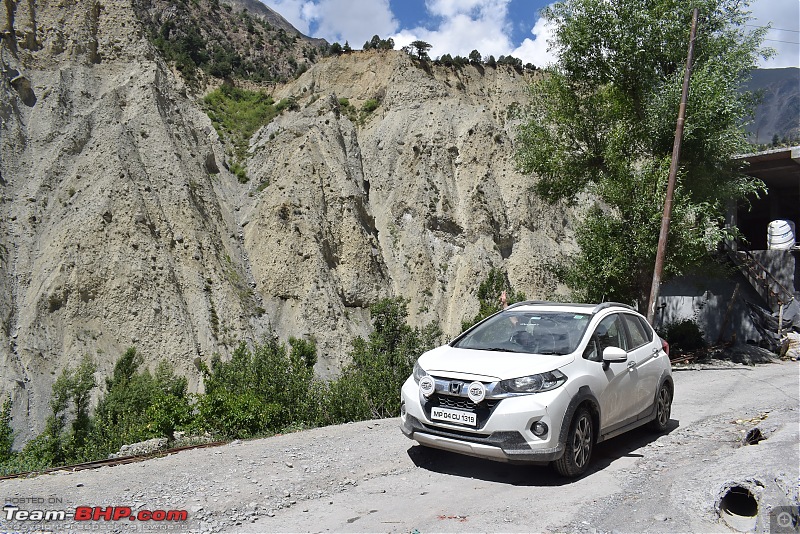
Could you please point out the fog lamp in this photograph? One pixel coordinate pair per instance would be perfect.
(539, 429)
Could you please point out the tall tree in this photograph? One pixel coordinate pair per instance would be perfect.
(422, 48)
(601, 126)
(475, 57)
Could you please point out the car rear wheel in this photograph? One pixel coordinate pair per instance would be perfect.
(663, 409)
(578, 449)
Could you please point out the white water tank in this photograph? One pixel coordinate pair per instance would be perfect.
(780, 235)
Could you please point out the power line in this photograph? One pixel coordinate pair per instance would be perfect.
(776, 29)
(778, 41)
(771, 28)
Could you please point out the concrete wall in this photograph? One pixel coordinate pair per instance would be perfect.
(705, 300)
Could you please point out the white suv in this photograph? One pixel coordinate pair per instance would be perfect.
(540, 382)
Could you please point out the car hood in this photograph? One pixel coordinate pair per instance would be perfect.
(470, 364)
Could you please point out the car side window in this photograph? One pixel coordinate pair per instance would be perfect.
(592, 351)
(610, 333)
(647, 328)
(636, 331)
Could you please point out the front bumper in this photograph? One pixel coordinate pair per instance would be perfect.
(501, 446)
(503, 432)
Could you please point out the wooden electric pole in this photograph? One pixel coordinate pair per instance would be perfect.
(673, 174)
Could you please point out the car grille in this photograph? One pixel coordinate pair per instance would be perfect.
(463, 403)
(482, 410)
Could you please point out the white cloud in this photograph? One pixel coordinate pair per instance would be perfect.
(784, 15)
(465, 25)
(299, 13)
(355, 21)
(461, 35)
(536, 50)
(482, 8)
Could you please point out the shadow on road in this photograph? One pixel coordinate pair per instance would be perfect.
(450, 463)
(709, 368)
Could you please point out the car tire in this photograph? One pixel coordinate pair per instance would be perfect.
(579, 445)
(663, 409)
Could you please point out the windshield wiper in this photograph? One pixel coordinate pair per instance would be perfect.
(499, 349)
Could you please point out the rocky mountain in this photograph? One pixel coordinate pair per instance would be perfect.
(238, 39)
(122, 224)
(778, 114)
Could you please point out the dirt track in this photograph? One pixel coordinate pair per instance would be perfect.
(367, 477)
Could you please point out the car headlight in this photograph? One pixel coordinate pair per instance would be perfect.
(419, 372)
(533, 383)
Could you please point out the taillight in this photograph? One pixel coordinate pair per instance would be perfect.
(665, 346)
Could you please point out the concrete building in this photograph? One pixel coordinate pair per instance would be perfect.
(756, 272)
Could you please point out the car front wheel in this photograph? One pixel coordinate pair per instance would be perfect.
(578, 449)
(663, 409)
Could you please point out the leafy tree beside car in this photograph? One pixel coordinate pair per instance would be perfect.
(601, 126)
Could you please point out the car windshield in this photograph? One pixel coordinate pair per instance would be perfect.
(528, 332)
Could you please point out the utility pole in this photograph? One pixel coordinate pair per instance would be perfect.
(673, 174)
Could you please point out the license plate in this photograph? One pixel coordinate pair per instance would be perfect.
(454, 416)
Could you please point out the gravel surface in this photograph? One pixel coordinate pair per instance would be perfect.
(367, 477)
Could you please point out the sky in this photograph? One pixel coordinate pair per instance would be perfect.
(493, 27)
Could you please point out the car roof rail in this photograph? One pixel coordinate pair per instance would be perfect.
(604, 305)
(526, 303)
(543, 302)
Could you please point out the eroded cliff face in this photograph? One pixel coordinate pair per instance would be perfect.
(121, 225)
(420, 198)
(113, 232)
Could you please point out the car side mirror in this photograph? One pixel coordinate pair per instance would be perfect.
(614, 355)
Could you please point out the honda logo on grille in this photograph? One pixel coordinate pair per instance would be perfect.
(455, 388)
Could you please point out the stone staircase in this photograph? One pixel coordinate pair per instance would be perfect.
(773, 291)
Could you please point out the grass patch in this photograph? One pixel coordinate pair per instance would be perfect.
(237, 114)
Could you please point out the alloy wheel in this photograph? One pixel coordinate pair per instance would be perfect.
(663, 406)
(582, 441)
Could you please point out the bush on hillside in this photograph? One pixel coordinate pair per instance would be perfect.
(489, 292)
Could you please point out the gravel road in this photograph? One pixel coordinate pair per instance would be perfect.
(367, 477)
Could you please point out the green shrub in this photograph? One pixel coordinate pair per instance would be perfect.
(240, 172)
(135, 406)
(489, 293)
(370, 105)
(268, 389)
(6, 432)
(259, 391)
(239, 414)
(138, 405)
(346, 399)
(238, 113)
(67, 428)
(286, 103)
(683, 336)
(380, 364)
(186, 47)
